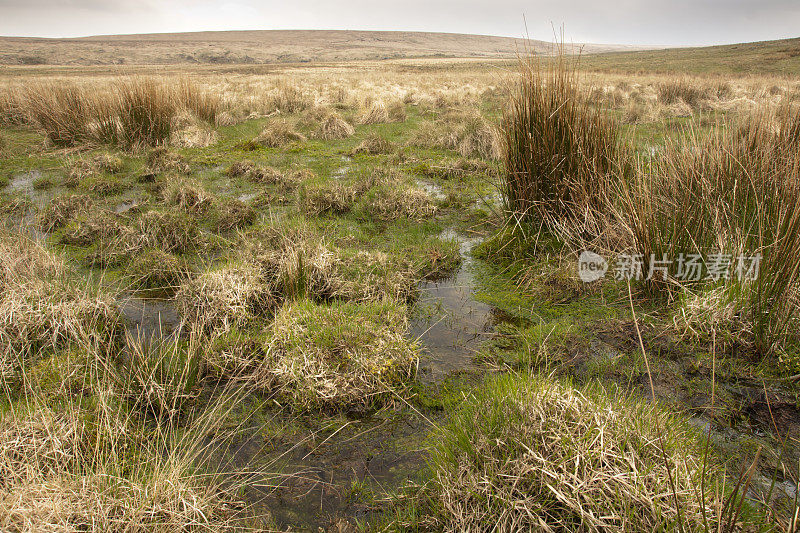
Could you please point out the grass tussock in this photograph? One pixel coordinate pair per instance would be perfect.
(95, 467)
(226, 298)
(157, 272)
(203, 104)
(61, 210)
(333, 126)
(373, 145)
(187, 196)
(91, 226)
(560, 151)
(391, 202)
(701, 198)
(339, 354)
(289, 98)
(145, 113)
(683, 91)
(375, 113)
(81, 169)
(161, 159)
(469, 134)
(526, 453)
(277, 134)
(169, 231)
(333, 198)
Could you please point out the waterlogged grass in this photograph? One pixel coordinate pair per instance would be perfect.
(293, 248)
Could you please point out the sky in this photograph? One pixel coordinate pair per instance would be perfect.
(638, 22)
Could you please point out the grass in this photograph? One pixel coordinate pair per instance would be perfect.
(768, 57)
(552, 453)
(560, 151)
(285, 274)
(702, 197)
(340, 354)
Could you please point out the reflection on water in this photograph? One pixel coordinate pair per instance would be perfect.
(452, 333)
(150, 319)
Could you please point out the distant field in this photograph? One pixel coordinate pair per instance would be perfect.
(258, 47)
(766, 57)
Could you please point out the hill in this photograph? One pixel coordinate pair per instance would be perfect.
(780, 57)
(267, 46)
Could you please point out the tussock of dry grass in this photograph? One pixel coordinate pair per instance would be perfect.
(160, 159)
(373, 145)
(390, 202)
(157, 271)
(203, 104)
(189, 132)
(227, 298)
(469, 134)
(288, 98)
(232, 214)
(277, 134)
(80, 169)
(90, 226)
(397, 111)
(169, 231)
(61, 210)
(362, 276)
(550, 457)
(335, 127)
(376, 113)
(338, 354)
(187, 195)
(336, 198)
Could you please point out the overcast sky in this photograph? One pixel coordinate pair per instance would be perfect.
(663, 22)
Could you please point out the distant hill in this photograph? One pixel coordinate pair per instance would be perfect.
(268, 46)
(766, 57)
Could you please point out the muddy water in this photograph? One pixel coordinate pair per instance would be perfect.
(149, 319)
(22, 185)
(455, 324)
(327, 465)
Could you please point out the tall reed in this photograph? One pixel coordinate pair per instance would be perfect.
(560, 150)
(732, 192)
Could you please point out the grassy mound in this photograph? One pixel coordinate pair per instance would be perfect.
(343, 353)
(526, 453)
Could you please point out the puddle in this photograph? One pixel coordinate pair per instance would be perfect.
(328, 467)
(432, 189)
(246, 197)
(453, 333)
(23, 183)
(340, 172)
(150, 319)
(124, 207)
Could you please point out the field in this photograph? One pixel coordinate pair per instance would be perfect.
(340, 296)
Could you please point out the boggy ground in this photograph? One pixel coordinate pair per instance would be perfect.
(303, 295)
